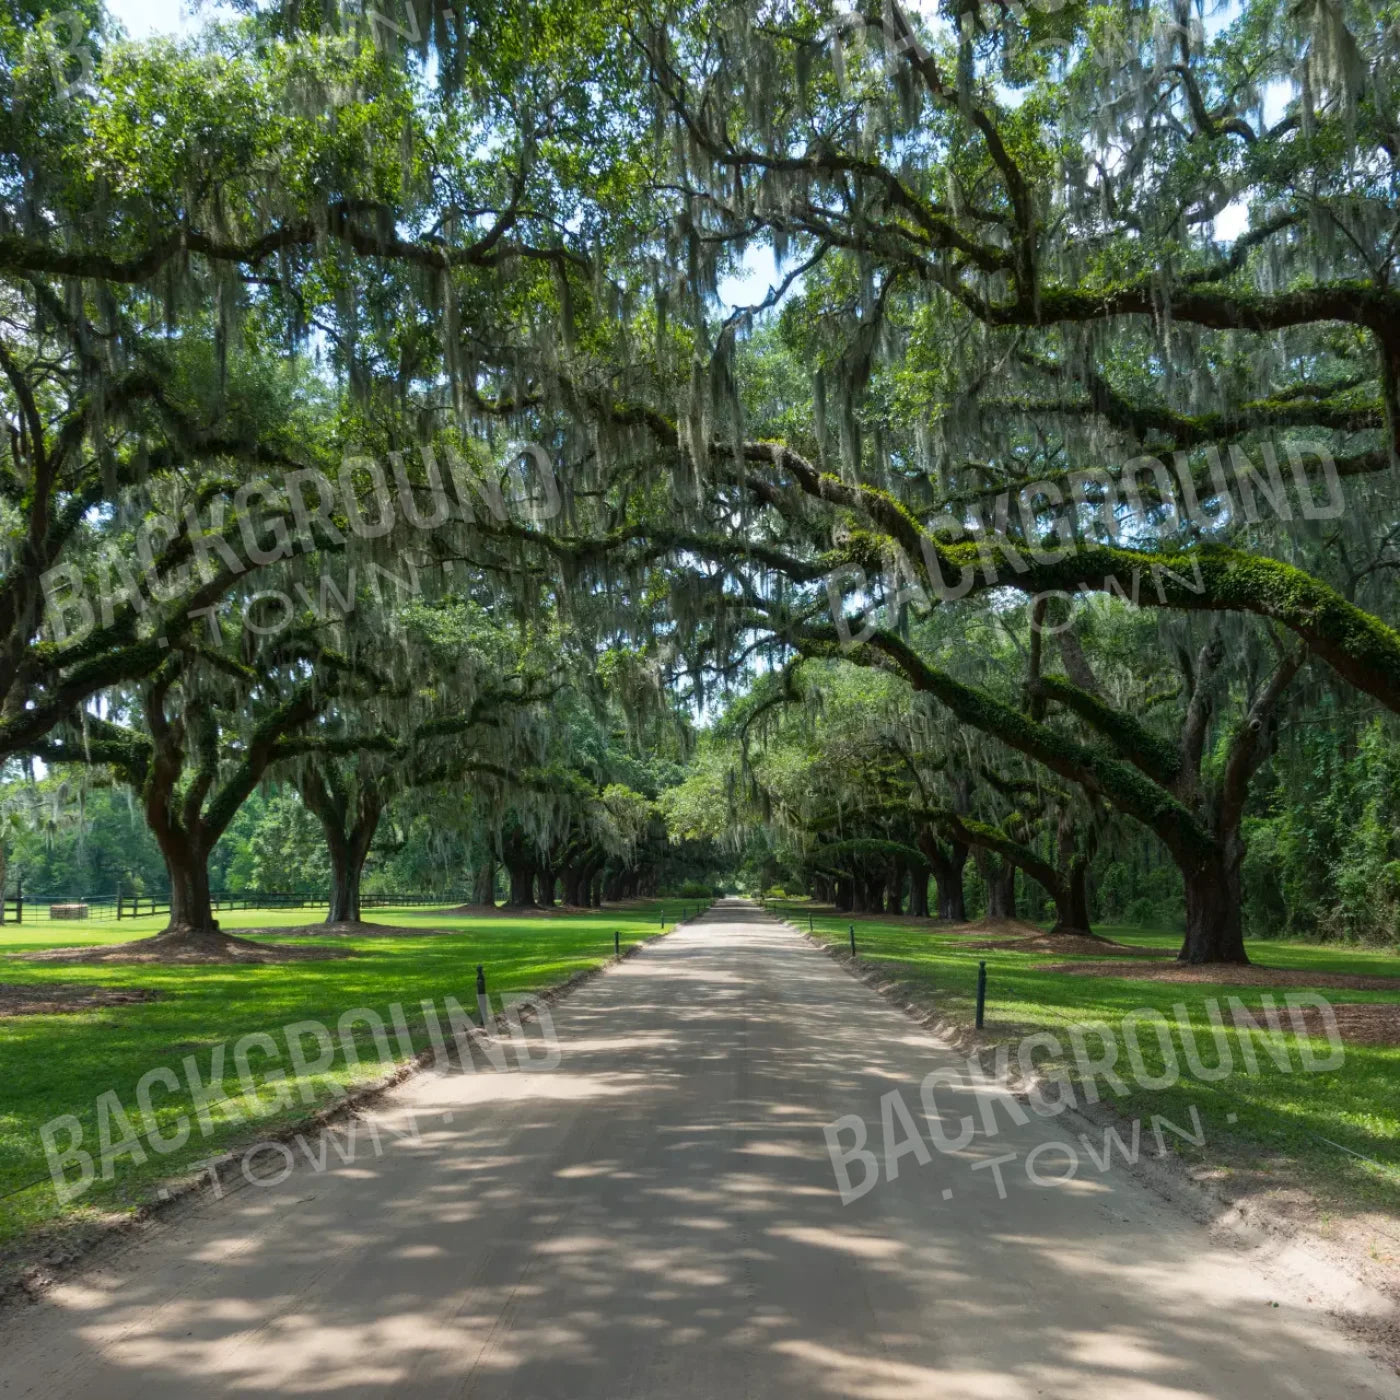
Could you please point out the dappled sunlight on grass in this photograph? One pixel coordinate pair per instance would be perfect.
(1290, 1126)
(60, 1064)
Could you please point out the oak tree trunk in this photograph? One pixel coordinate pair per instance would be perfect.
(918, 894)
(546, 882)
(947, 866)
(894, 890)
(1214, 927)
(952, 897)
(191, 911)
(1000, 878)
(484, 891)
(522, 885)
(345, 886)
(572, 879)
(1079, 894)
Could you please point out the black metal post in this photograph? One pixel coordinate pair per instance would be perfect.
(19, 899)
(811, 927)
(617, 943)
(853, 940)
(480, 980)
(981, 993)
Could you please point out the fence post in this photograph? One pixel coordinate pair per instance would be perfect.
(19, 899)
(853, 940)
(617, 943)
(981, 992)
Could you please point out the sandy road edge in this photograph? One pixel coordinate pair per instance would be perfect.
(35, 1270)
(1362, 1298)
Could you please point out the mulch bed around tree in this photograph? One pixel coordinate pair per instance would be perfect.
(208, 947)
(1017, 929)
(17, 999)
(1090, 945)
(1362, 1022)
(1227, 975)
(348, 928)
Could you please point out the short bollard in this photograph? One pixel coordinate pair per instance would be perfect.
(811, 927)
(853, 940)
(981, 993)
(480, 980)
(617, 944)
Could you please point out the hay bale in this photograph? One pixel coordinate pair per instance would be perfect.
(68, 911)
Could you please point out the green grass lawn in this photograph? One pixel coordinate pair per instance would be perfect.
(61, 1064)
(1290, 1127)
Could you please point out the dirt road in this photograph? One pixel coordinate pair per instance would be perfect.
(658, 1217)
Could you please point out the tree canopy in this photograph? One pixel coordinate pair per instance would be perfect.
(390, 425)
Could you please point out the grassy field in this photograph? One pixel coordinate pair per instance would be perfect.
(52, 1065)
(1272, 1128)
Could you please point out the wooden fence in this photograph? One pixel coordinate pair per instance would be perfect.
(21, 906)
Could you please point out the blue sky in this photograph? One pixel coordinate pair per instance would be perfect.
(757, 275)
(143, 17)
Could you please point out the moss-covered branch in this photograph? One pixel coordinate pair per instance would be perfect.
(1119, 782)
(1154, 755)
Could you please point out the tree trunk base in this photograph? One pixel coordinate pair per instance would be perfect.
(185, 944)
(1214, 930)
(209, 942)
(1064, 930)
(1204, 959)
(195, 936)
(1072, 930)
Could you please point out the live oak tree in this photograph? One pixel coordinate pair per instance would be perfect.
(992, 299)
(195, 739)
(943, 264)
(350, 790)
(154, 277)
(464, 706)
(585, 817)
(1156, 778)
(872, 787)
